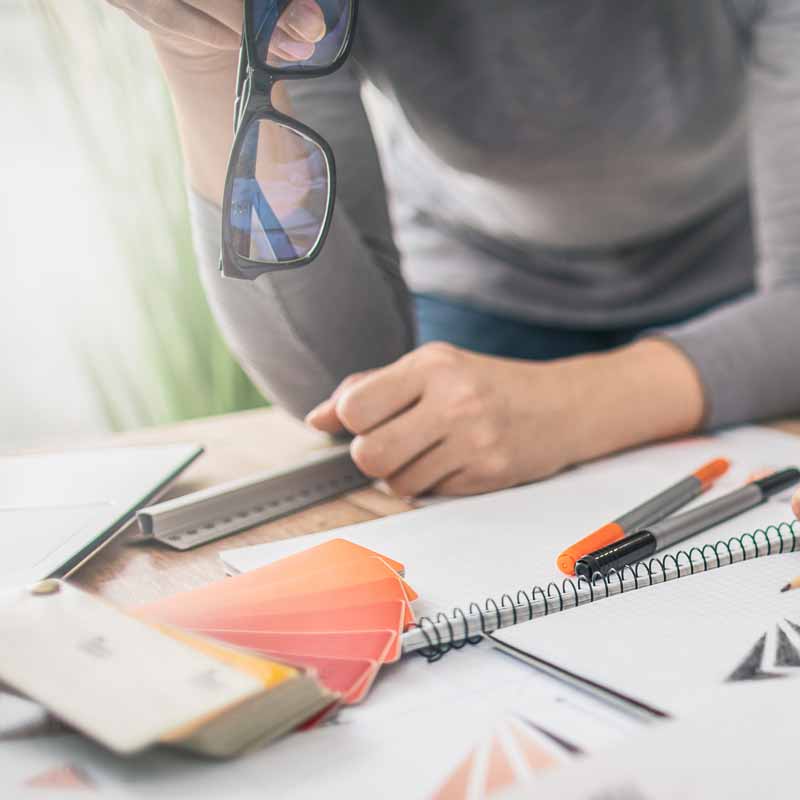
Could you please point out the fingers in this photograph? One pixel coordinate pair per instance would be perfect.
(288, 48)
(426, 472)
(381, 395)
(303, 21)
(300, 27)
(323, 417)
(218, 23)
(387, 449)
(796, 505)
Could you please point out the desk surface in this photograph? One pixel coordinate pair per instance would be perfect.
(236, 445)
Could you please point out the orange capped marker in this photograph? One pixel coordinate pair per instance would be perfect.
(652, 510)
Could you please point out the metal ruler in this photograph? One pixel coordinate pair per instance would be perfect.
(209, 514)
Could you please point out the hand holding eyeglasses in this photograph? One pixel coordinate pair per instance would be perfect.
(279, 189)
(199, 27)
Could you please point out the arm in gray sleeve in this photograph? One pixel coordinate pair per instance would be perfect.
(748, 353)
(298, 333)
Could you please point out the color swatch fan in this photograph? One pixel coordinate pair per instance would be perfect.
(338, 609)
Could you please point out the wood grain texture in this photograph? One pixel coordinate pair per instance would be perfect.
(236, 445)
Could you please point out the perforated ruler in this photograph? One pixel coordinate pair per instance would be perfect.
(209, 514)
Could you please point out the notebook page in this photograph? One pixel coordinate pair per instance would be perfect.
(466, 550)
(666, 645)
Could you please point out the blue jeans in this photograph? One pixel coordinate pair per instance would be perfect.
(484, 332)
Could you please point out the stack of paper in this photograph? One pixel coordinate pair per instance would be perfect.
(338, 609)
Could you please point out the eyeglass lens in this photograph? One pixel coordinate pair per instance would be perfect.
(280, 194)
(301, 34)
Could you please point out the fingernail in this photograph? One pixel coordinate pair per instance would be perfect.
(305, 20)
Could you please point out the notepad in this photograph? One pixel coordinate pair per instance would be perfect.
(665, 645)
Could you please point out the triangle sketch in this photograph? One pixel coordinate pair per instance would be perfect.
(750, 668)
(786, 655)
(793, 625)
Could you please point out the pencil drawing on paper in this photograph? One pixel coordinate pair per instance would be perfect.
(784, 653)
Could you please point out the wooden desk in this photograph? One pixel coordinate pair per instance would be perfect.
(236, 445)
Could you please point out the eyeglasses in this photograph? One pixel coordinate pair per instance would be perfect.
(281, 181)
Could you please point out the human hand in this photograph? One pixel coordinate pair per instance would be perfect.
(447, 420)
(796, 505)
(196, 28)
(450, 421)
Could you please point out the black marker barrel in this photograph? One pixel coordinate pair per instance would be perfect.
(629, 550)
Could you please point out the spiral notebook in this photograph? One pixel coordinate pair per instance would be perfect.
(663, 646)
(460, 552)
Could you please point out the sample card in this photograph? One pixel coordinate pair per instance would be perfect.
(338, 608)
(350, 677)
(374, 645)
(381, 616)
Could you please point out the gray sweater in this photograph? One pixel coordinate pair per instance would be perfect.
(588, 164)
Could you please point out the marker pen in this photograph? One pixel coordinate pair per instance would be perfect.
(643, 544)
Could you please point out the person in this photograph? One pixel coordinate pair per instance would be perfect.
(561, 229)
(796, 505)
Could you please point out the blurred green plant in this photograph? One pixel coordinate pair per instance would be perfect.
(111, 81)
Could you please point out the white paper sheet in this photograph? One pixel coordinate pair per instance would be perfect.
(739, 745)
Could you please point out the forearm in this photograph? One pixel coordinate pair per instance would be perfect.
(203, 91)
(641, 393)
(747, 356)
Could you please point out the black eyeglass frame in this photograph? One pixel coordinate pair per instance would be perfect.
(254, 82)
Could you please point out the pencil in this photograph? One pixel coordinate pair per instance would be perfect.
(793, 584)
(652, 510)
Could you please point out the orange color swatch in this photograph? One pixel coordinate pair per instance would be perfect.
(230, 594)
(381, 616)
(337, 608)
(352, 678)
(374, 645)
